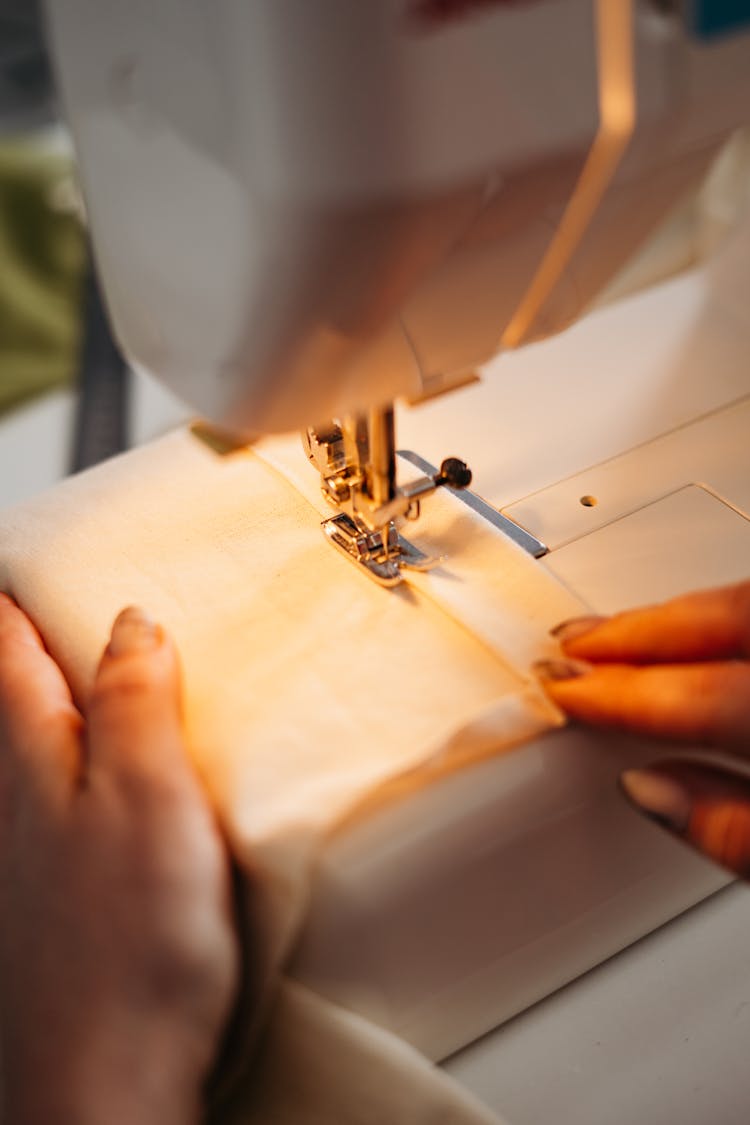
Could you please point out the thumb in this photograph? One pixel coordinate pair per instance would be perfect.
(705, 805)
(134, 718)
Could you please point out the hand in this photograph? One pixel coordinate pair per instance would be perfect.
(118, 959)
(678, 671)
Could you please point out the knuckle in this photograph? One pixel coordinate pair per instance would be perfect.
(57, 723)
(118, 707)
(123, 686)
(159, 789)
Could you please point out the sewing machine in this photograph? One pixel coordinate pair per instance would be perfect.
(326, 228)
(328, 206)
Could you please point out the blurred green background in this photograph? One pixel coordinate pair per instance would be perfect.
(42, 269)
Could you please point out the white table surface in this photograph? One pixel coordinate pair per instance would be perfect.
(659, 1034)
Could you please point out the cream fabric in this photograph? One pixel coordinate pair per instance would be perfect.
(307, 686)
(320, 1065)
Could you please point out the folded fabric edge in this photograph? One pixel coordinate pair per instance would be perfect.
(502, 727)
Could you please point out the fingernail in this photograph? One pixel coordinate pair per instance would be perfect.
(133, 631)
(561, 669)
(662, 798)
(575, 627)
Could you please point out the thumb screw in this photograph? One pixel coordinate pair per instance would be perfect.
(454, 473)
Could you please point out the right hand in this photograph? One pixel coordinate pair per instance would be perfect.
(678, 671)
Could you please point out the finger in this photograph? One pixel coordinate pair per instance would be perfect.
(134, 713)
(707, 704)
(706, 806)
(710, 625)
(39, 723)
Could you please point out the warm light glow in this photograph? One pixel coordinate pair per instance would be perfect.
(614, 33)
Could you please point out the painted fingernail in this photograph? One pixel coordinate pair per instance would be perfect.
(133, 631)
(575, 627)
(662, 798)
(561, 669)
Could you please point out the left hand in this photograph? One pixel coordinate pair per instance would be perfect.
(118, 957)
(678, 671)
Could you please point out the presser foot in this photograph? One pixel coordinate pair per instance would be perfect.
(382, 559)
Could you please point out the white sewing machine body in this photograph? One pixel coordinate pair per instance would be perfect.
(328, 204)
(354, 223)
